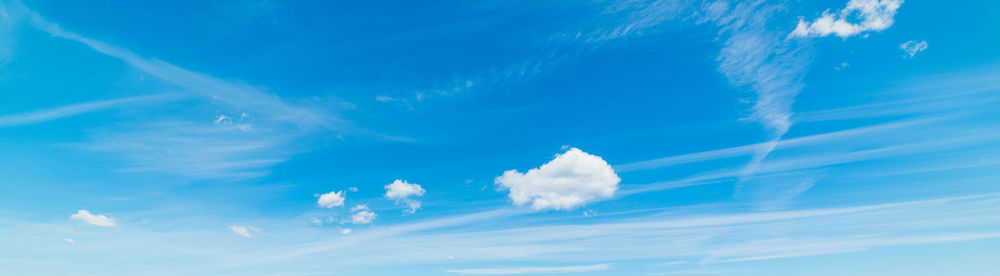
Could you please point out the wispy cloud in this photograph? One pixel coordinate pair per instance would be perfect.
(40, 116)
(913, 47)
(530, 270)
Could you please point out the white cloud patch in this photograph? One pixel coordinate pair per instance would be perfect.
(243, 230)
(530, 270)
(913, 47)
(362, 215)
(345, 231)
(70, 240)
(570, 180)
(331, 199)
(401, 191)
(859, 16)
(100, 220)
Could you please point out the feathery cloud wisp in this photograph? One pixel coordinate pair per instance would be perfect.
(913, 47)
(530, 270)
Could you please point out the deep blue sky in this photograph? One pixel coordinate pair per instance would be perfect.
(519, 137)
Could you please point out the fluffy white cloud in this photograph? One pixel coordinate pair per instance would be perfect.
(331, 199)
(874, 15)
(570, 180)
(913, 47)
(401, 191)
(362, 215)
(345, 231)
(242, 230)
(99, 220)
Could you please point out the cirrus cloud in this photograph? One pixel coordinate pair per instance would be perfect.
(571, 180)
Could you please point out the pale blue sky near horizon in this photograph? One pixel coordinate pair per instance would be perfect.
(672, 137)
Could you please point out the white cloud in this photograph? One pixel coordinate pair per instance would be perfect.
(345, 231)
(99, 220)
(40, 116)
(331, 199)
(243, 230)
(353, 189)
(913, 47)
(874, 15)
(70, 240)
(401, 191)
(317, 221)
(570, 180)
(530, 270)
(362, 215)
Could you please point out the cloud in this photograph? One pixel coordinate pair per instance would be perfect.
(40, 116)
(362, 215)
(912, 48)
(345, 231)
(243, 230)
(70, 240)
(530, 270)
(401, 191)
(571, 180)
(331, 199)
(99, 220)
(874, 15)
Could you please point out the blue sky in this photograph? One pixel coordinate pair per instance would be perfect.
(676, 137)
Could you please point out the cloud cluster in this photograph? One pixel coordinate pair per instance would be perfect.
(874, 15)
(331, 199)
(401, 191)
(99, 220)
(570, 180)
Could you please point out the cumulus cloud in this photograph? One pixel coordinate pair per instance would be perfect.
(913, 47)
(362, 215)
(868, 15)
(331, 199)
(570, 180)
(401, 191)
(99, 220)
(243, 230)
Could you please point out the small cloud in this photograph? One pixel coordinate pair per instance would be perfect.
(571, 180)
(362, 215)
(345, 231)
(588, 213)
(353, 189)
(385, 99)
(913, 47)
(243, 230)
(873, 15)
(401, 191)
(70, 240)
(317, 221)
(99, 220)
(331, 199)
(841, 66)
(564, 147)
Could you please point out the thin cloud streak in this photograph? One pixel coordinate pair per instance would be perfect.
(530, 270)
(46, 115)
